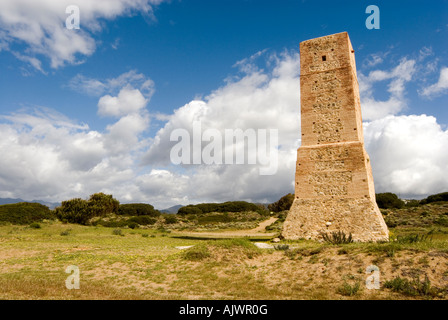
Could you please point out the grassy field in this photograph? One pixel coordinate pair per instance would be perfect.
(147, 263)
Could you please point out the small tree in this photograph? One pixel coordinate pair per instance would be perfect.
(81, 211)
(284, 203)
(435, 197)
(170, 219)
(74, 211)
(190, 209)
(101, 204)
(389, 200)
(137, 209)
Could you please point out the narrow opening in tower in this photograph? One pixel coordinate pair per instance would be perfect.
(324, 58)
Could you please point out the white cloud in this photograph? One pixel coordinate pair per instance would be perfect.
(41, 26)
(373, 60)
(440, 87)
(372, 108)
(47, 156)
(97, 87)
(129, 100)
(123, 136)
(408, 154)
(424, 53)
(259, 99)
(53, 158)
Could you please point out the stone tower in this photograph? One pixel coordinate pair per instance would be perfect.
(334, 188)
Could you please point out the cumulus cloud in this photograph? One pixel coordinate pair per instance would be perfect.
(47, 156)
(40, 25)
(408, 154)
(129, 100)
(400, 75)
(262, 98)
(43, 151)
(50, 157)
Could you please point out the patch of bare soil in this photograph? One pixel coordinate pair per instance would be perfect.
(280, 275)
(258, 231)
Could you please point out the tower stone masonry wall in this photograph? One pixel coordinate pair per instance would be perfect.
(334, 188)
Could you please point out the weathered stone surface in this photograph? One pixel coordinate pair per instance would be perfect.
(334, 188)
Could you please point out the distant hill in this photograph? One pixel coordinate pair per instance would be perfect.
(50, 205)
(172, 209)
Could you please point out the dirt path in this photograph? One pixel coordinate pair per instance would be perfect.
(261, 227)
(251, 233)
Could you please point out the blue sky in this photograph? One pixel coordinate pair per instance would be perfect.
(178, 60)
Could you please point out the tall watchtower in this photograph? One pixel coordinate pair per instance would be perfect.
(334, 188)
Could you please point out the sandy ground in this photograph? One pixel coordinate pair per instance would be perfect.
(249, 233)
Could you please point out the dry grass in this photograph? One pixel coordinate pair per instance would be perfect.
(132, 266)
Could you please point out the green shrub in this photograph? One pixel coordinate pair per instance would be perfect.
(24, 213)
(170, 219)
(347, 289)
(281, 247)
(137, 209)
(389, 200)
(442, 221)
(81, 211)
(190, 209)
(133, 225)
(230, 206)
(65, 232)
(74, 211)
(35, 225)
(435, 198)
(215, 218)
(196, 253)
(413, 238)
(414, 287)
(412, 203)
(283, 204)
(111, 223)
(101, 204)
(117, 232)
(142, 220)
(337, 237)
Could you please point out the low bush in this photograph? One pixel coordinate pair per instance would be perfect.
(337, 237)
(133, 225)
(190, 209)
(141, 220)
(196, 253)
(414, 287)
(82, 211)
(74, 211)
(347, 289)
(281, 247)
(137, 209)
(216, 218)
(388, 200)
(100, 204)
(435, 198)
(413, 238)
(283, 204)
(170, 219)
(35, 225)
(24, 213)
(230, 206)
(117, 232)
(111, 223)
